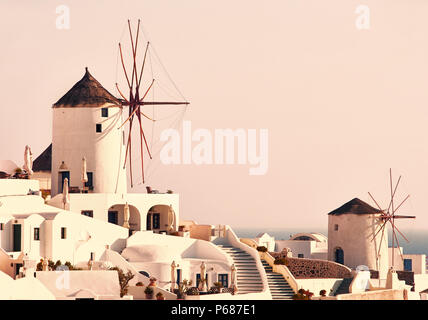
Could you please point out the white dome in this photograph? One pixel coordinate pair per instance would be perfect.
(146, 253)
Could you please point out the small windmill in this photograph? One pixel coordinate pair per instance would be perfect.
(389, 215)
(135, 100)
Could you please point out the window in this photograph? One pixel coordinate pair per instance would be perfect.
(224, 280)
(88, 213)
(63, 233)
(407, 264)
(1, 226)
(300, 255)
(36, 233)
(92, 256)
(99, 127)
(104, 112)
(336, 227)
(156, 221)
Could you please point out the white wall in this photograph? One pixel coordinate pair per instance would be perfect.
(74, 137)
(354, 236)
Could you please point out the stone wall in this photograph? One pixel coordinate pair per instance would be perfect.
(303, 268)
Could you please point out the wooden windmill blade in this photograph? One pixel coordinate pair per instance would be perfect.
(390, 216)
(135, 101)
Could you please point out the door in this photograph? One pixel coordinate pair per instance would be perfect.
(17, 267)
(16, 237)
(198, 279)
(149, 221)
(62, 176)
(178, 276)
(339, 256)
(112, 217)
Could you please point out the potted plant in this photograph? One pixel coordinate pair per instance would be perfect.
(152, 282)
(218, 286)
(159, 296)
(149, 293)
(182, 289)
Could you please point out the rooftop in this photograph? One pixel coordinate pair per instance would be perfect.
(87, 93)
(355, 206)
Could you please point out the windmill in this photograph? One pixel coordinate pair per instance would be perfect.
(389, 215)
(135, 100)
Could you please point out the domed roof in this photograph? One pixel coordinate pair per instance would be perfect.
(88, 93)
(355, 206)
(147, 253)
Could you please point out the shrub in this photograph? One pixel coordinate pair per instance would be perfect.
(148, 290)
(262, 249)
(124, 279)
(193, 291)
(303, 295)
(282, 261)
(323, 293)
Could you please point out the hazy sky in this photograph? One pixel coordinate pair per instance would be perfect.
(342, 105)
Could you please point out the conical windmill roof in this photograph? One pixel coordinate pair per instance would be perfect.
(86, 93)
(355, 206)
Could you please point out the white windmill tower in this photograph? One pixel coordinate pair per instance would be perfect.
(85, 122)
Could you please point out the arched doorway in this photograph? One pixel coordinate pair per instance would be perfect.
(339, 256)
(116, 216)
(161, 219)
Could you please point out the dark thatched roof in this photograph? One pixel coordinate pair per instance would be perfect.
(44, 161)
(88, 92)
(355, 206)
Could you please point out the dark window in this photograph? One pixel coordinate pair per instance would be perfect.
(336, 227)
(90, 183)
(63, 233)
(156, 221)
(88, 213)
(104, 112)
(92, 256)
(112, 217)
(407, 264)
(1, 226)
(36, 233)
(99, 127)
(300, 255)
(144, 273)
(224, 280)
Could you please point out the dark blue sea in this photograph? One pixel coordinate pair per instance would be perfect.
(418, 239)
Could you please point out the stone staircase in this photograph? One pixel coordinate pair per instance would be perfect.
(247, 275)
(279, 287)
(343, 287)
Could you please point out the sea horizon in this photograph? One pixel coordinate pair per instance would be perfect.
(417, 237)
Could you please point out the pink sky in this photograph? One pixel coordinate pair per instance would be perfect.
(341, 105)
